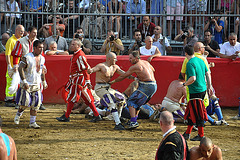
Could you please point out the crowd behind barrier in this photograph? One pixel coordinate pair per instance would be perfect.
(96, 17)
(225, 76)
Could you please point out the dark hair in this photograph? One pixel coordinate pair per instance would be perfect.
(135, 54)
(0, 121)
(78, 28)
(37, 42)
(136, 30)
(31, 28)
(180, 76)
(109, 30)
(189, 50)
(208, 30)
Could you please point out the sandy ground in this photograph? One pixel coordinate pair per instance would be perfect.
(80, 139)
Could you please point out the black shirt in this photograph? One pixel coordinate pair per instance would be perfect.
(214, 45)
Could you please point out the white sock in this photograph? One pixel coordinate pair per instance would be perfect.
(101, 111)
(116, 118)
(32, 119)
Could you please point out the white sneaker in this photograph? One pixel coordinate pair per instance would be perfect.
(34, 125)
(236, 117)
(17, 119)
(218, 123)
(224, 122)
(213, 116)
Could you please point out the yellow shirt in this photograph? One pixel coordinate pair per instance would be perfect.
(9, 47)
(198, 55)
(111, 47)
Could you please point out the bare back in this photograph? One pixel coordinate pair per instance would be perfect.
(144, 70)
(195, 154)
(176, 91)
(3, 150)
(104, 73)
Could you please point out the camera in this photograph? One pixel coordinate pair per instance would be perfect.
(112, 38)
(139, 43)
(185, 33)
(79, 35)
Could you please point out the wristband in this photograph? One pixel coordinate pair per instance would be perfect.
(24, 81)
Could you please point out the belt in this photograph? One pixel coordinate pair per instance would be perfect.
(147, 82)
(75, 75)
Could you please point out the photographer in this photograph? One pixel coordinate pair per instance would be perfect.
(187, 37)
(112, 44)
(87, 45)
(138, 41)
(216, 25)
(161, 42)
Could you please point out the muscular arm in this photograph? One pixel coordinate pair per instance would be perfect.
(123, 76)
(22, 66)
(94, 69)
(191, 80)
(157, 54)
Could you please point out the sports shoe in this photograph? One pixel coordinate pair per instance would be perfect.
(42, 107)
(95, 119)
(224, 122)
(197, 138)
(17, 119)
(63, 118)
(34, 125)
(218, 123)
(237, 117)
(213, 116)
(186, 136)
(132, 125)
(119, 127)
(155, 115)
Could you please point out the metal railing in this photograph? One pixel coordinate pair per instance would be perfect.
(94, 17)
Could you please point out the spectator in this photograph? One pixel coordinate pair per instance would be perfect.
(61, 41)
(112, 44)
(84, 5)
(87, 45)
(46, 29)
(216, 25)
(174, 7)
(3, 43)
(187, 36)
(173, 145)
(210, 45)
(3, 7)
(158, 41)
(71, 22)
(149, 49)
(9, 99)
(134, 7)
(95, 30)
(34, 6)
(115, 6)
(206, 150)
(12, 6)
(156, 8)
(230, 49)
(146, 27)
(138, 41)
(53, 50)
(7, 148)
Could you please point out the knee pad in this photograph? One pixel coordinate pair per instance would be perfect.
(108, 101)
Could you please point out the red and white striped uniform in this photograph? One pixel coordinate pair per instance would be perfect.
(78, 79)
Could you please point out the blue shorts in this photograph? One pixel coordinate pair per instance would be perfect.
(143, 94)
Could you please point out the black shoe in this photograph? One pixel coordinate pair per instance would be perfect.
(63, 118)
(95, 119)
(42, 107)
(197, 138)
(10, 103)
(186, 136)
(119, 127)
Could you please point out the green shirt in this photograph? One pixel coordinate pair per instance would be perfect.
(196, 67)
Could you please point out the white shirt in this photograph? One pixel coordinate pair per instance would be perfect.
(169, 131)
(159, 45)
(228, 49)
(147, 52)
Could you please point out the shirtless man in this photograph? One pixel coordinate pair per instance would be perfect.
(8, 149)
(146, 89)
(109, 97)
(175, 93)
(206, 151)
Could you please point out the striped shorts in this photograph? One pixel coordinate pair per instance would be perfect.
(29, 99)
